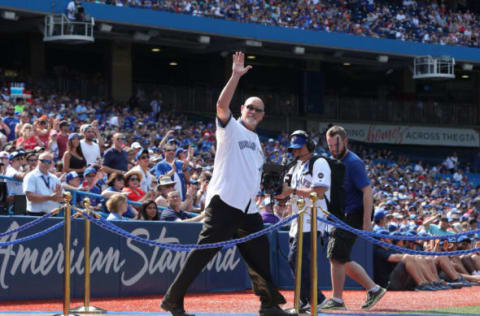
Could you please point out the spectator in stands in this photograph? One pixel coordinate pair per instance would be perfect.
(11, 121)
(24, 119)
(17, 160)
(53, 145)
(3, 162)
(115, 158)
(41, 128)
(92, 184)
(143, 159)
(62, 138)
(173, 168)
(72, 181)
(117, 206)
(90, 149)
(148, 211)
(173, 213)
(73, 159)
(132, 187)
(28, 140)
(43, 189)
(440, 229)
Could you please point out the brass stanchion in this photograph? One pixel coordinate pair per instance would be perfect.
(313, 252)
(66, 248)
(298, 271)
(86, 308)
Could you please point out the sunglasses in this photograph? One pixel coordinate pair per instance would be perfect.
(32, 159)
(144, 157)
(46, 161)
(252, 108)
(169, 150)
(134, 179)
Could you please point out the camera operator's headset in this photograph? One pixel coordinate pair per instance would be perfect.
(310, 143)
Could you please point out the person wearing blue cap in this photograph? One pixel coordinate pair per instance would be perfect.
(231, 211)
(380, 219)
(358, 212)
(300, 182)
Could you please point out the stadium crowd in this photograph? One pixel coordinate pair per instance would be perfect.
(431, 22)
(163, 161)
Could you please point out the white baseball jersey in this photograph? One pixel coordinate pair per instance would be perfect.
(238, 166)
(302, 179)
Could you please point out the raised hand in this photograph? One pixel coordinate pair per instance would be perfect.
(238, 66)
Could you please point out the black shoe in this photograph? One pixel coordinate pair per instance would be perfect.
(424, 287)
(275, 311)
(174, 310)
(455, 285)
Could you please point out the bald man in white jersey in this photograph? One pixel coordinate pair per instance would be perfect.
(231, 211)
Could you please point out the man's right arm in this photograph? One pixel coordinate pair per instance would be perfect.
(223, 103)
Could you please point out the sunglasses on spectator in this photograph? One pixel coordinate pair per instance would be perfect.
(144, 157)
(134, 179)
(252, 108)
(46, 161)
(169, 150)
(32, 159)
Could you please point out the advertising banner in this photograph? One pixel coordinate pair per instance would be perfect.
(410, 135)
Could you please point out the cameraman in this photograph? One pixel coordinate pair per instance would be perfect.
(299, 184)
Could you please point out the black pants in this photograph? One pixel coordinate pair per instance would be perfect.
(305, 288)
(223, 222)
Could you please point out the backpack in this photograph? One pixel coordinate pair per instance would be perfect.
(336, 205)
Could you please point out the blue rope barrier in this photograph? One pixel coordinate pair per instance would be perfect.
(187, 247)
(27, 225)
(366, 236)
(36, 235)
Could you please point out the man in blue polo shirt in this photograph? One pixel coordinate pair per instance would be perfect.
(358, 212)
(173, 213)
(115, 158)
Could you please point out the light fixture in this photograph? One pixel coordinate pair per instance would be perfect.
(139, 36)
(9, 15)
(467, 67)
(156, 50)
(299, 50)
(251, 57)
(382, 58)
(203, 39)
(253, 43)
(347, 64)
(465, 76)
(105, 27)
(173, 63)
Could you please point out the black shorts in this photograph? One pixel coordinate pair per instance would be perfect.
(400, 279)
(341, 242)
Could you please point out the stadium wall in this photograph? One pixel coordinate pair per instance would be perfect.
(186, 23)
(120, 267)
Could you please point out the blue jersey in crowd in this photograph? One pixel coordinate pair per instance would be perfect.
(355, 179)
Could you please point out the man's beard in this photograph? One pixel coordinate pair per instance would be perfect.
(251, 121)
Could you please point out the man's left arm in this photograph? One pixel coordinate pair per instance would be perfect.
(367, 207)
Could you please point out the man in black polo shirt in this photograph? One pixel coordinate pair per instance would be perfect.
(173, 213)
(115, 158)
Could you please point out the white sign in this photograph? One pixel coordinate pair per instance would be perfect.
(410, 135)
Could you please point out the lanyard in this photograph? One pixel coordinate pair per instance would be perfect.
(46, 180)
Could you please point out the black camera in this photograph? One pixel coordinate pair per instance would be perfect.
(272, 178)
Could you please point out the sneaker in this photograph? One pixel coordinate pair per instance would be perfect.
(424, 287)
(373, 297)
(332, 305)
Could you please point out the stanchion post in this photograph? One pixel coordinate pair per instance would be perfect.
(66, 249)
(313, 252)
(86, 308)
(298, 271)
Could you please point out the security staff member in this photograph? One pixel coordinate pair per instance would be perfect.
(231, 210)
(302, 183)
